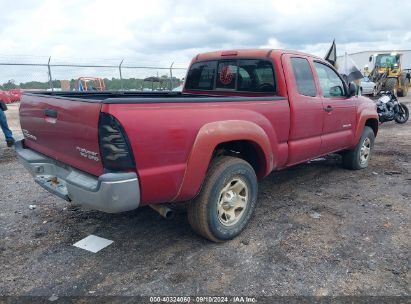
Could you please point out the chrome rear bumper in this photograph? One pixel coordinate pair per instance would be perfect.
(110, 192)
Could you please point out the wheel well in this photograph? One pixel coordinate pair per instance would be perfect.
(244, 149)
(373, 124)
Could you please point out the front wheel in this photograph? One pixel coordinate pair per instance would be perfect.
(226, 201)
(403, 115)
(359, 157)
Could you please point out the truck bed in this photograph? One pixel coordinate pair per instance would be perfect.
(147, 97)
(161, 127)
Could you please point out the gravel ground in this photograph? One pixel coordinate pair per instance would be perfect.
(318, 230)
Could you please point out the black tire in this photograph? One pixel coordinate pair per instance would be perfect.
(403, 118)
(404, 91)
(353, 159)
(203, 211)
(390, 84)
(406, 86)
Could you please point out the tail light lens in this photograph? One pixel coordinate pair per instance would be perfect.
(115, 148)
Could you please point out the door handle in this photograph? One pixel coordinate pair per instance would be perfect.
(328, 109)
(50, 113)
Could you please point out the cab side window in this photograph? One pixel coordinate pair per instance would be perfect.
(330, 83)
(303, 76)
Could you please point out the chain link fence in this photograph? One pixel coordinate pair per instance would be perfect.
(42, 73)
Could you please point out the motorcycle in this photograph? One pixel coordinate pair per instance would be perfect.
(389, 108)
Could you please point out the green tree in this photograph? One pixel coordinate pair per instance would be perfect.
(9, 85)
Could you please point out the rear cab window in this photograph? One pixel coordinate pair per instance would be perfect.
(201, 76)
(226, 75)
(244, 75)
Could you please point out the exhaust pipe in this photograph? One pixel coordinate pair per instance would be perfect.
(163, 210)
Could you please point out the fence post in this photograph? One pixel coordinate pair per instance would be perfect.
(50, 79)
(121, 75)
(171, 76)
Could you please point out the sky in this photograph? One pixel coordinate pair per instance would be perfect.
(159, 32)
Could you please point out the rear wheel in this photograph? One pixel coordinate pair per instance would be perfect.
(404, 114)
(359, 157)
(226, 201)
(390, 84)
(404, 87)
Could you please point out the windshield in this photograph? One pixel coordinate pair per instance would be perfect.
(386, 60)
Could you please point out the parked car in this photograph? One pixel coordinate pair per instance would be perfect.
(10, 96)
(367, 87)
(178, 89)
(241, 115)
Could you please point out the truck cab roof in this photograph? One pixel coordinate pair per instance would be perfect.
(247, 53)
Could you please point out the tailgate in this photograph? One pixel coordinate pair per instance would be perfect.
(63, 129)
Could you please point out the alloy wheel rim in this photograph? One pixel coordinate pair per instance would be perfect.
(365, 151)
(232, 202)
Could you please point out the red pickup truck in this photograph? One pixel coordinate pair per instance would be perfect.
(241, 115)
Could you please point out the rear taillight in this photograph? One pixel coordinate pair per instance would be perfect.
(115, 149)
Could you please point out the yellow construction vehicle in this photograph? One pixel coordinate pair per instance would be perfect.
(388, 74)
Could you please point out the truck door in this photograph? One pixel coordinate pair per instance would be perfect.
(339, 113)
(306, 109)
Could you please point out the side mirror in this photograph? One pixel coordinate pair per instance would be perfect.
(352, 89)
(370, 59)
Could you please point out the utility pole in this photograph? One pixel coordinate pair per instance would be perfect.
(121, 75)
(50, 79)
(171, 76)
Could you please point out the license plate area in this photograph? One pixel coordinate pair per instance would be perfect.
(54, 185)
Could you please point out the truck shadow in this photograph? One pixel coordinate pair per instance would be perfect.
(151, 253)
(145, 228)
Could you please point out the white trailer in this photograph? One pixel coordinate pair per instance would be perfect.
(362, 58)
